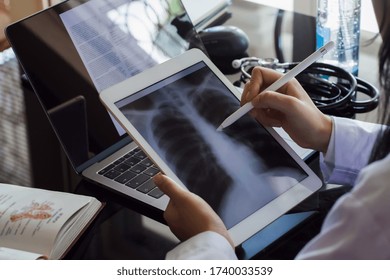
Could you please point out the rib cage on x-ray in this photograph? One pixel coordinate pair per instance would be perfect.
(179, 121)
(192, 159)
(174, 130)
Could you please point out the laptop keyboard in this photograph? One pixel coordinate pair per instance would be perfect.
(134, 170)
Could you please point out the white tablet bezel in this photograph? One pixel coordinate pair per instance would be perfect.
(259, 219)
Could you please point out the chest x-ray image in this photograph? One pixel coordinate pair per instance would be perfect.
(238, 170)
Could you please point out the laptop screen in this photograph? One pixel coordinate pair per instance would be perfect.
(74, 50)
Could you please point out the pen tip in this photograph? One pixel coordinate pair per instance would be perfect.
(219, 128)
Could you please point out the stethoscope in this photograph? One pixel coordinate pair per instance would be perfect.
(332, 89)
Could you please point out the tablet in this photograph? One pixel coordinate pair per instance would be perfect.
(247, 172)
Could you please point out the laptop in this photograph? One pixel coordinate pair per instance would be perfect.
(247, 173)
(72, 51)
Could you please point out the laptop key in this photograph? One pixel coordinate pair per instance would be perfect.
(151, 171)
(129, 154)
(137, 181)
(147, 186)
(140, 155)
(156, 193)
(132, 161)
(119, 160)
(112, 174)
(105, 169)
(147, 162)
(122, 167)
(138, 168)
(125, 177)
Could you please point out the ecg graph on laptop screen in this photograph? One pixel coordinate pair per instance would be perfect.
(83, 47)
(243, 165)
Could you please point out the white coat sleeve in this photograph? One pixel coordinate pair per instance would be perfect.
(358, 226)
(204, 246)
(349, 150)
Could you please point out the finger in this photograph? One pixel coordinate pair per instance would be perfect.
(264, 77)
(168, 186)
(254, 84)
(276, 101)
(260, 79)
(170, 214)
(251, 89)
(244, 96)
(269, 117)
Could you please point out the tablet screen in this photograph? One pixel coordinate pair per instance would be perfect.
(237, 171)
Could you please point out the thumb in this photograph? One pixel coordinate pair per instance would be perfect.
(168, 186)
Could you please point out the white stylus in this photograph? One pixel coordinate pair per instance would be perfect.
(279, 83)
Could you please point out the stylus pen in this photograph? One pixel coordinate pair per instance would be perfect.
(279, 83)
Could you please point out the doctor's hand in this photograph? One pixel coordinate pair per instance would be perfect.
(187, 214)
(290, 108)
